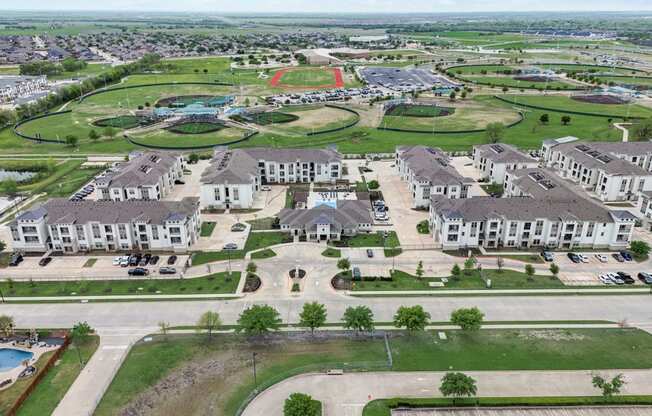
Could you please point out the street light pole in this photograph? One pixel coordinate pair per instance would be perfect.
(253, 355)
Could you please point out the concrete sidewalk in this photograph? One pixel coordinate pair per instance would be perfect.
(490, 292)
(346, 395)
(86, 392)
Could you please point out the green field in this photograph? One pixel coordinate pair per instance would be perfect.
(307, 77)
(633, 80)
(411, 110)
(561, 103)
(121, 122)
(273, 117)
(195, 127)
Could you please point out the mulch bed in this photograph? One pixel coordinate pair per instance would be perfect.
(600, 99)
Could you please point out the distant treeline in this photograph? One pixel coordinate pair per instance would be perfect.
(52, 68)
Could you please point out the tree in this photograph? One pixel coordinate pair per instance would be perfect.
(164, 327)
(258, 320)
(468, 265)
(642, 130)
(609, 388)
(299, 404)
(544, 119)
(71, 140)
(469, 319)
(93, 135)
(413, 318)
(451, 96)
(457, 385)
(500, 263)
(6, 325)
(640, 248)
(251, 267)
(209, 321)
(358, 318)
(109, 131)
(312, 316)
(554, 269)
(456, 271)
(10, 187)
(193, 158)
(565, 120)
(419, 271)
(344, 264)
(494, 131)
(505, 89)
(529, 270)
(80, 335)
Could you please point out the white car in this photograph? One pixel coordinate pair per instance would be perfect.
(265, 188)
(117, 260)
(606, 279)
(616, 279)
(583, 258)
(602, 258)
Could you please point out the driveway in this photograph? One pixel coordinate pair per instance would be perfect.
(398, 198)
(346, 395)
(192, 182)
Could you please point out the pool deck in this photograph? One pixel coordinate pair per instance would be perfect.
(15, 372)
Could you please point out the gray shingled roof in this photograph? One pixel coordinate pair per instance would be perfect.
(431, 164)
(145, 169)
(348, 214)
(615, 166)
(239, 166)
(541, 183)
(509, 153)
(64, 211)
(520, 208)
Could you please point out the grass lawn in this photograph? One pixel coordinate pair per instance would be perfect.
(90, 262)
(215, 283)
(147, 363)
(259, 240)
(540, 349)
(262, 223)
(263, 254)
(332, 252)
(65, 178)
(508, 279)
(561, 103)
(369, 240)
(203, 257)
(207, 228)
(307, 77)
(527, 258)
(49, 392)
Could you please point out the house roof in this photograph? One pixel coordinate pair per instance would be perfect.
(503, 153)
(348, 214)
(430, 164)
(145, 169)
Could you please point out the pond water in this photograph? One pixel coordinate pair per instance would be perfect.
(15, 175)
(12, 358)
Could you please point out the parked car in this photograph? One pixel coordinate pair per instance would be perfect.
(574, 258)
(356, 274)
(238, 227)
(606, 279)
(618, 257)
(153, 260)
(117, 260)
(167, 270)
(626, 255)
(230, 246)
(44, 261)
(138, 271)
(134, 259)
(172, 259)
(266, 188)
(616, 279)
(547, 256)
(145, 260)
(583, 258)
(125, 261)
(601, 258)
(645, 278)
(179, 182)
(626, 278)
(370, 253)
(15, 259)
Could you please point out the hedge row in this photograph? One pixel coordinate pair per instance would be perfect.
(520, 120)
(558, 110)
(351, 124)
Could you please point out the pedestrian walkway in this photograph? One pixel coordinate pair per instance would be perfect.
(490, 292)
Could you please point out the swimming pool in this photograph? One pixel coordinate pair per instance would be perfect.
(12, 358)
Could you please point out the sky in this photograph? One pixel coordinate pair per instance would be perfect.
(330, 6)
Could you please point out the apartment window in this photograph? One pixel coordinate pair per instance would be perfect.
(452, 237)
(512, 229)
(538, 228)
(55, 232)
(31, 239)
(81, 235)
(64, 231)
(142, 228)
(527, 226)
(108, 229)
(122, 231)
(453, 228)
(145, 193)
(14, 234)
(236, 194)
(154, 232)
(175, 230)
(175, 240)
(641, 183)
(474, 229)
(217, 194)
(589, 229)
(29, 230)
(554, 230)
(623, 185)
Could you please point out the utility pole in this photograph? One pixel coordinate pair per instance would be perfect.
(253, 355)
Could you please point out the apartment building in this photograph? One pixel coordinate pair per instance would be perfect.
(528, 222)
(327, 223)
(645, 208)
(146, 176)
(493, 160)
(612, 171)
(61, 225)
(428, 172)
(13, 87)
(235, 176)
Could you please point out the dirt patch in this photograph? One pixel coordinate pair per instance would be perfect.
(550, 335)
(318, 117)
(534, 78)
(600, 99)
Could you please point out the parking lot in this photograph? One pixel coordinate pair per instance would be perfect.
(401, 79)
(91, 266)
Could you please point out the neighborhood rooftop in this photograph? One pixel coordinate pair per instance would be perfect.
(144, 169)
(64, 211)
(348, 214)
(430, 164)
(501, 152)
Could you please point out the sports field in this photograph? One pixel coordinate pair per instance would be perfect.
(120, 122)
(196, 127)
(273, 117)
(170, 139)
(412, 110)
(562, 103)
(307, 77)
